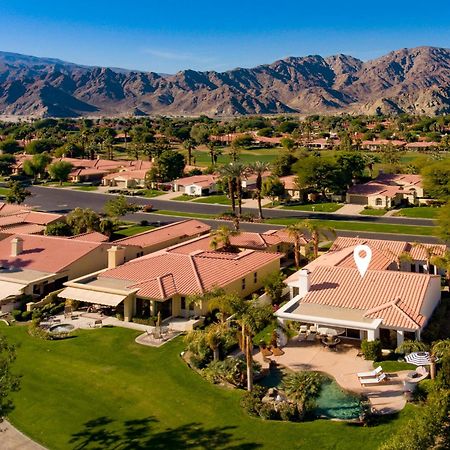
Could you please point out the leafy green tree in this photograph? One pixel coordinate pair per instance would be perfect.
(60, 171)
(58, 229)
(297, 232)
(37, 165)
(16, 193)
(282, 166)
(83, 220)
(351, 166)
(118, 207)
(10, 146)
(41, 146)
(318, 174)
(443, 221)
(287, 143)
(221, 239)
(273, 188)
(436, 180)
(443, 262)
(6, 163)
(9, 381)
(200, 134)
(167, 167)
(287, 126)
(274, 286)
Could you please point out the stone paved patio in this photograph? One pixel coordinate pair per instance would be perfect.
(343, 365)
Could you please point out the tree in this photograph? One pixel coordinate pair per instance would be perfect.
(303, 388)
(430, 252)
(297, 232)
(167, 167)
(282, 166)
(259, 168)
(351, 166)
(221, 239)
(118, 207)
(443, 221)
(60, 171)
(317, 232)
(443, 262)
(370, 160)
(36, 166)
(6, 163)
(107, 226)
(9, 146)
(233, 172)
(274, 286)
(287, 143)
(272, 187)
(16, 193)
(214, 151)
(200, 134)
(41, 146)
(9, 382)
(189, 145)
(58, 229)
(436, 180)
(83, 220)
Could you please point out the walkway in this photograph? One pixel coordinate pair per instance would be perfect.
(12, 439)
(350, 209)
(343, 365)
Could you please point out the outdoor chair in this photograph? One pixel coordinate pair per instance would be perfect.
(302, 336)
(375, 380)
(313, 329)
(303, 328)
(311, 336)
(372, 374)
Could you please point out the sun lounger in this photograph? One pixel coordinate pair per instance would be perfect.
(371, 374)
(303, 328)
(374, 380)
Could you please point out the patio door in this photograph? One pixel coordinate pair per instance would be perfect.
(187, 310)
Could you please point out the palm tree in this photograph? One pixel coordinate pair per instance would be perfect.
(438, 350)
(443, 262)
(214, 152)
(370, 161)
(296, 231)
(220, 238)
(258, 168)
(317, 232)
(302, 388)
(189, 145)
(214, 338)
(233, 172)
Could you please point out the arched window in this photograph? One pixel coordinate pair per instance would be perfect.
(379, 202)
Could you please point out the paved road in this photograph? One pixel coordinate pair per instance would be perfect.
(63, 200)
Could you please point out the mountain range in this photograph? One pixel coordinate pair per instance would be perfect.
(413, 80)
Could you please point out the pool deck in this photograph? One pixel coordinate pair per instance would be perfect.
(343, 365)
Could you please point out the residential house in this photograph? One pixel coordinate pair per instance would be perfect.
(36, 265)
(161, 282)
(196, 185)
(422, 146)
(380, 144)
(128, 179)
(292, 191)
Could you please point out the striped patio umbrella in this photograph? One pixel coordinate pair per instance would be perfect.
(419, 358)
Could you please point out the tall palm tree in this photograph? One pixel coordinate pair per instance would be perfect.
(370, 161)
(297, 232)
(233, 172)
(258, 168)
(220, 238)
(214, 152)
(189, 145)
(317, 232)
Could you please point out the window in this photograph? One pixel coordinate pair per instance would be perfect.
(413, 267)
(183, 302)
(255, 277)
(421, 269)
(379, 202)
(243, 283)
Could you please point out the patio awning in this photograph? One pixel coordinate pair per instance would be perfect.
(8, 289)
(96, 297)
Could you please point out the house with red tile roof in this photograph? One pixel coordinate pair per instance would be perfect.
(36, 265)
(388, 190)
(196, 185)
(126, 179)
(161, 282)
(383, 304)
(158, 238)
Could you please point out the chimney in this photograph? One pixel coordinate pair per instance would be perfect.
(16, 246)
(304, 282)
(116, 256)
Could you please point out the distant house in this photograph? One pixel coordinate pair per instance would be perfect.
(293, 192)
(422, 146)
(127, 179)
(37, 265)
(379, 144)
(196, 185)
(387, 191)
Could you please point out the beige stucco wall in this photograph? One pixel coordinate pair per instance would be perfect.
(432, 297)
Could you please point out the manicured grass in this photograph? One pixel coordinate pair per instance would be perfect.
(101, 390)
(184, 214)
(131, 231)
(220, 199)
(424, 212)
(150, 193)
(320, 207)
(394, 366)
(373, 212)
(265, 334)
(360, 226)
(86, 188)
(202, 157)
(183, 198)
(4, 191)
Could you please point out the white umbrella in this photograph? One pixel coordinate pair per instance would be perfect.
(330, 331)
(419, 358)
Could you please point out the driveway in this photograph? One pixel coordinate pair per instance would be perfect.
(350, 209)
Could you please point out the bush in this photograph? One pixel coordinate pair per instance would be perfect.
(16, 314)
(288, 411)
(409, 346)
(424, 387)
(267, 412)
(251, 401)
(371, 349)
(35, 330)
(27, 315)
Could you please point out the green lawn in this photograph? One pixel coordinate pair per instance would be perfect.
(394, 366)
(220, 199)
(101, 390)
(184, 214)
(320, 207)
(150, 193)
(361, 226)
(183, 198)
(373, 212)
(424, 212)
(131, 231)
(86, 188)
(3, 191)
(202, 157)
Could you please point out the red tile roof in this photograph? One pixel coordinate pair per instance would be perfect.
(44, 253)
(183, 229)
(160, 275)
(93, 236)
(395, 297)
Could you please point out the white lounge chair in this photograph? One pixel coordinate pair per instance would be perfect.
(374, 380)
(371, 374)
(303, 328)
(313, 329)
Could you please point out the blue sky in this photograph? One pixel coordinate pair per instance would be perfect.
(167, 36)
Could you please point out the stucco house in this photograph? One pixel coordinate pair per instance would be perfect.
(128, 179)
(196, 185)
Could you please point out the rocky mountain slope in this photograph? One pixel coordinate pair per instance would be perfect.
(409, 80)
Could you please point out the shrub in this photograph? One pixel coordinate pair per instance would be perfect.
(303, 388)
(35, 330)
(16, 314)
(26, 315)
(443, 377)
(251, 401)
(411, 346)
(424, 387)
(288, 411)
(267, 412)
(371, 349)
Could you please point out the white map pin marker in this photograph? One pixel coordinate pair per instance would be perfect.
(362, 262)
